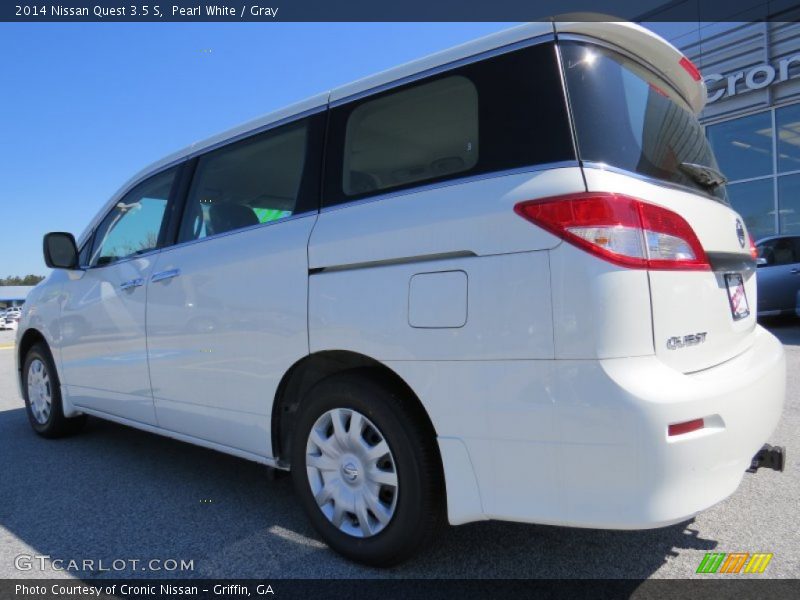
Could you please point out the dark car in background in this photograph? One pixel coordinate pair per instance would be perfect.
(778, 276)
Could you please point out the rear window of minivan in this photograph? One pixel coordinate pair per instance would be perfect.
(627, 117)
(496, 114)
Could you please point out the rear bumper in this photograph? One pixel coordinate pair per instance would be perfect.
(672, 478)
(585, 444)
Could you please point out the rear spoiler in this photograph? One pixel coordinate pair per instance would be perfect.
(654, 50)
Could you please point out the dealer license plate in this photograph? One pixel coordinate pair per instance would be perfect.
(738, 299)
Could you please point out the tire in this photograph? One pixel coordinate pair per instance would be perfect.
(42, 392)
(411, 511)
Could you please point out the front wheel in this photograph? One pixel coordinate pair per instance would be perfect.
(42, 393)
(366, 470)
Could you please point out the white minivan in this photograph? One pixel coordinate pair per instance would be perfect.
(500, 282)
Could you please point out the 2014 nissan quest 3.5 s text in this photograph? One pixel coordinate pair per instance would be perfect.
(501, 282)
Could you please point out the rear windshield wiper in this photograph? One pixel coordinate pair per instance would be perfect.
(706, 176)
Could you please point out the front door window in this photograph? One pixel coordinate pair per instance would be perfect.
(133, 226)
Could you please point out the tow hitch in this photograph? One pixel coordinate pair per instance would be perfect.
(769, 457)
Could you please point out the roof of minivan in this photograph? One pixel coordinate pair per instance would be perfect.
(632, 37)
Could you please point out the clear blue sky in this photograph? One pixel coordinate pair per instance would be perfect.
(83, 107)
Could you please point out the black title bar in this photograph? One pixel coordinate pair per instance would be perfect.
(40, 11)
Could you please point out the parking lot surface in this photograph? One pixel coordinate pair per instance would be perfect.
(115, 493)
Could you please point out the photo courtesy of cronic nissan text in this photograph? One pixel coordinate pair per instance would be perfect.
(399, 300)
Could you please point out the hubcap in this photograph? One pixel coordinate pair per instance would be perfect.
(40, 395)
(351, 472)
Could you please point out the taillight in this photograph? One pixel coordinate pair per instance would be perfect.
(753, 249)
(690, 68)
(620, 229)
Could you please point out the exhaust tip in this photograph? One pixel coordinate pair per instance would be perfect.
(769, 457)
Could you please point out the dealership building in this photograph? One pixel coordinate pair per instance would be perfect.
(752, 118)
(13, 295)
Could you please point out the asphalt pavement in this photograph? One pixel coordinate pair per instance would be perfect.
(113, 493)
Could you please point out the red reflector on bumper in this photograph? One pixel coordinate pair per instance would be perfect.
(688, 426)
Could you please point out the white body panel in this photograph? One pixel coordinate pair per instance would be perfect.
(599, 310)
(102, 340)
(490, 244)
(580, 440)
(342, 317)
(183, 437)
(690, 302)
(474, 217)
(584, 442)
(222, 333)
(42, 313)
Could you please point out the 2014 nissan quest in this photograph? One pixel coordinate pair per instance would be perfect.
(501, 282)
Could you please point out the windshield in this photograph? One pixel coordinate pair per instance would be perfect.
(627, 117)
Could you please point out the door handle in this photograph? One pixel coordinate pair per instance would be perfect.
(132, 283)
(163, 275)
(794, 271)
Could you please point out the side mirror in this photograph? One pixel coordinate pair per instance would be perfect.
(761, 262)
(60, 251)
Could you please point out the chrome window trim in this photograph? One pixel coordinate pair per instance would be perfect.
(443, 68)
(111, 203)
(258, 130)
(533, 41)
(568, 103)
(153, 173)
(206, 149)
(451, 182)
(575, 37)
(123, 260)
(86, 239)
(308, 213)
(505, 49)
(586, 164)
(111, 206)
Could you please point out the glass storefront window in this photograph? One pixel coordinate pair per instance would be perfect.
(787, 121)
(755, 202)
(743, 146)
(789, 203)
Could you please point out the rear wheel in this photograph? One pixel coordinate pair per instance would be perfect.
(42, 392)
(366, 470)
